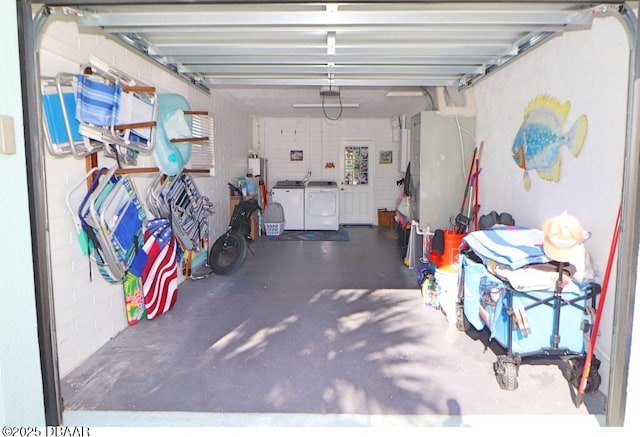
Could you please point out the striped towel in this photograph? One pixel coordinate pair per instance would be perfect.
(511, 246)
(97, 103)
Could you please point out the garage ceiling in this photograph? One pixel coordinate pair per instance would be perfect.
(283, 53)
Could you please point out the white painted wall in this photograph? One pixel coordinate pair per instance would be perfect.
(319, 139)
(89, 312)
(595, 82)
(21, 398)
(233, 139)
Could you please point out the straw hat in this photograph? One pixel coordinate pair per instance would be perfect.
(563, 237)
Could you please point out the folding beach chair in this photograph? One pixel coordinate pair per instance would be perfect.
(61, 129)
(111, 111)
(113, 217)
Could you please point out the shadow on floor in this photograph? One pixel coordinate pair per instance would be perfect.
(313, 328)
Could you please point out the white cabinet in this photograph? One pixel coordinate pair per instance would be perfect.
(439, 166)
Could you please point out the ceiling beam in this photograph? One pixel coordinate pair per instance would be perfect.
(441, 30)
(338, 82)
(442, 50)
(286, 69)
(250, 2)
(223, 17)
(379, 59)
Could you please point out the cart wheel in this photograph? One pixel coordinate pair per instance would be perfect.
(593, 382)
(462, 323)
(574, 374)
(506, 374)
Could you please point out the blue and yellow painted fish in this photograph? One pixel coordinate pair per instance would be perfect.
(540, 137)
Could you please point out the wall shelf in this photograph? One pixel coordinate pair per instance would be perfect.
(189, 140)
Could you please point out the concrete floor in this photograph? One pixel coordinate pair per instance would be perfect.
(312, 334)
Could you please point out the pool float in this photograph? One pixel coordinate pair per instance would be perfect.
(172, 124)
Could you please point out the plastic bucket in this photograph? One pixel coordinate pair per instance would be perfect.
(452, 240)
(435, 258)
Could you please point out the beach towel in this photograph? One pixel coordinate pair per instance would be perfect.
(511, 246)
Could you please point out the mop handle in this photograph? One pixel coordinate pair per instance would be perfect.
(596, 324)
(466, 189)
(476, 206)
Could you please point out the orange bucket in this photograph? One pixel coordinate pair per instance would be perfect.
(434, 257)
(452, 240)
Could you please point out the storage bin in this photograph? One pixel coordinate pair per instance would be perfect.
(273, 213)
(273, 229)
(386, 218)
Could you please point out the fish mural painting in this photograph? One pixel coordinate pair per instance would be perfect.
(539, 140)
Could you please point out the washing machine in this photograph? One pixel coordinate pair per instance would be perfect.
(290, 194)
(321, 206)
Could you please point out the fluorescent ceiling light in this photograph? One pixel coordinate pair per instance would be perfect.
(405, 93)
(326, 105)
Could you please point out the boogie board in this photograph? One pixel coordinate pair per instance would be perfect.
(132, 283)
(160, 279)
(172, 124)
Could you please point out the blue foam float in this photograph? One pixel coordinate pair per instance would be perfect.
(171, 157)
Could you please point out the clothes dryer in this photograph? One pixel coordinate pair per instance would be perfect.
(321, 206)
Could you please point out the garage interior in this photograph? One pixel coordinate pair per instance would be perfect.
(302, 335)
(334, 332)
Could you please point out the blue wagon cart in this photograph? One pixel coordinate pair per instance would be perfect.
(548, 320)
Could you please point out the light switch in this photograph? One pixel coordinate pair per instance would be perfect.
(7, 135)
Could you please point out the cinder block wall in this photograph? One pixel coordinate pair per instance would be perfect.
(89, 312)
(320, 142)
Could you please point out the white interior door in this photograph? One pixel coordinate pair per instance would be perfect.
(356, 184)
